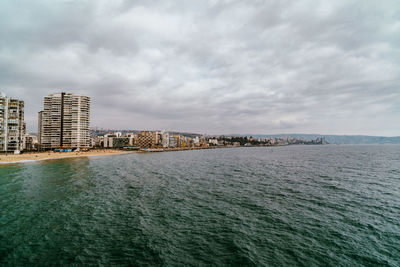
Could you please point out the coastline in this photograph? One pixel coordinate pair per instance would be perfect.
(28, 157)
(50, 155)
(41, 156)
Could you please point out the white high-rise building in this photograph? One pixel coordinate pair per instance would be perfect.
(165, 139)
(65, 121)
(12, 128)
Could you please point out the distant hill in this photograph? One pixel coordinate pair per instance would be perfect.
(338, 139)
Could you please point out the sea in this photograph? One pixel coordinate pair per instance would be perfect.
(327, 205)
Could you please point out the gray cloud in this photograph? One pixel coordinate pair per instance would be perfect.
(210, 66)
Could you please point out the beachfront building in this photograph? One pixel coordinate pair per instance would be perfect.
(156, 138)
(213, 141)
(40, 128)
(175, 141)
(12, 127)
(117, 140)
(196, 141)
(29, 142)
(164, 139)
(200, 141)
(144, 139)
(186, 141)
(64, 122)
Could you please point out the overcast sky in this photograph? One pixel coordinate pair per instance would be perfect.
(329, 67)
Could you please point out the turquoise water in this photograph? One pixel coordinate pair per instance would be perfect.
(280, 206)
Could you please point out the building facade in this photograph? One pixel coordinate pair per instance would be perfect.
(145, 139)
(174, 141)
(165, 139)
(40, 128)
(30, 142)
(12, 127)
(118, 141)
(65, 121)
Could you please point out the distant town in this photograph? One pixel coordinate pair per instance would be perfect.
(64, 125)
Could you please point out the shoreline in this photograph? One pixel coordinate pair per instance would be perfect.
(29, 157)
(42, 156)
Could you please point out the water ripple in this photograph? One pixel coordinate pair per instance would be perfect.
(298, 205)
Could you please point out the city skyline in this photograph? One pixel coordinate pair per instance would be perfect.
(216, 67)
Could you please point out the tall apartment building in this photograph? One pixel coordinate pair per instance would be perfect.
(12, 128)
(156, 139)
(145, 139)
(40, 127)
(64, 122)
(164, 139)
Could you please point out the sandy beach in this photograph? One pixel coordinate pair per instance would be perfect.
(27, 157)
(49, 155)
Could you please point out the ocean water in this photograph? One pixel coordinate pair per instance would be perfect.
(275, 206)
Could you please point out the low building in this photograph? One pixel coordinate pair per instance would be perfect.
(120, 142)
(174, 141)
(108, 141)
(187, 141)
(116, 140)
(203, 142)
(30, 142)
(97, 141)
(213, 141)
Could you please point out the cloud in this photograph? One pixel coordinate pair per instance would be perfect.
(210, 66)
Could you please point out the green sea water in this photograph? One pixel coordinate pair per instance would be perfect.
(275, 206)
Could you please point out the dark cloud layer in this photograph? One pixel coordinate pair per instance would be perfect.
(210, 66)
